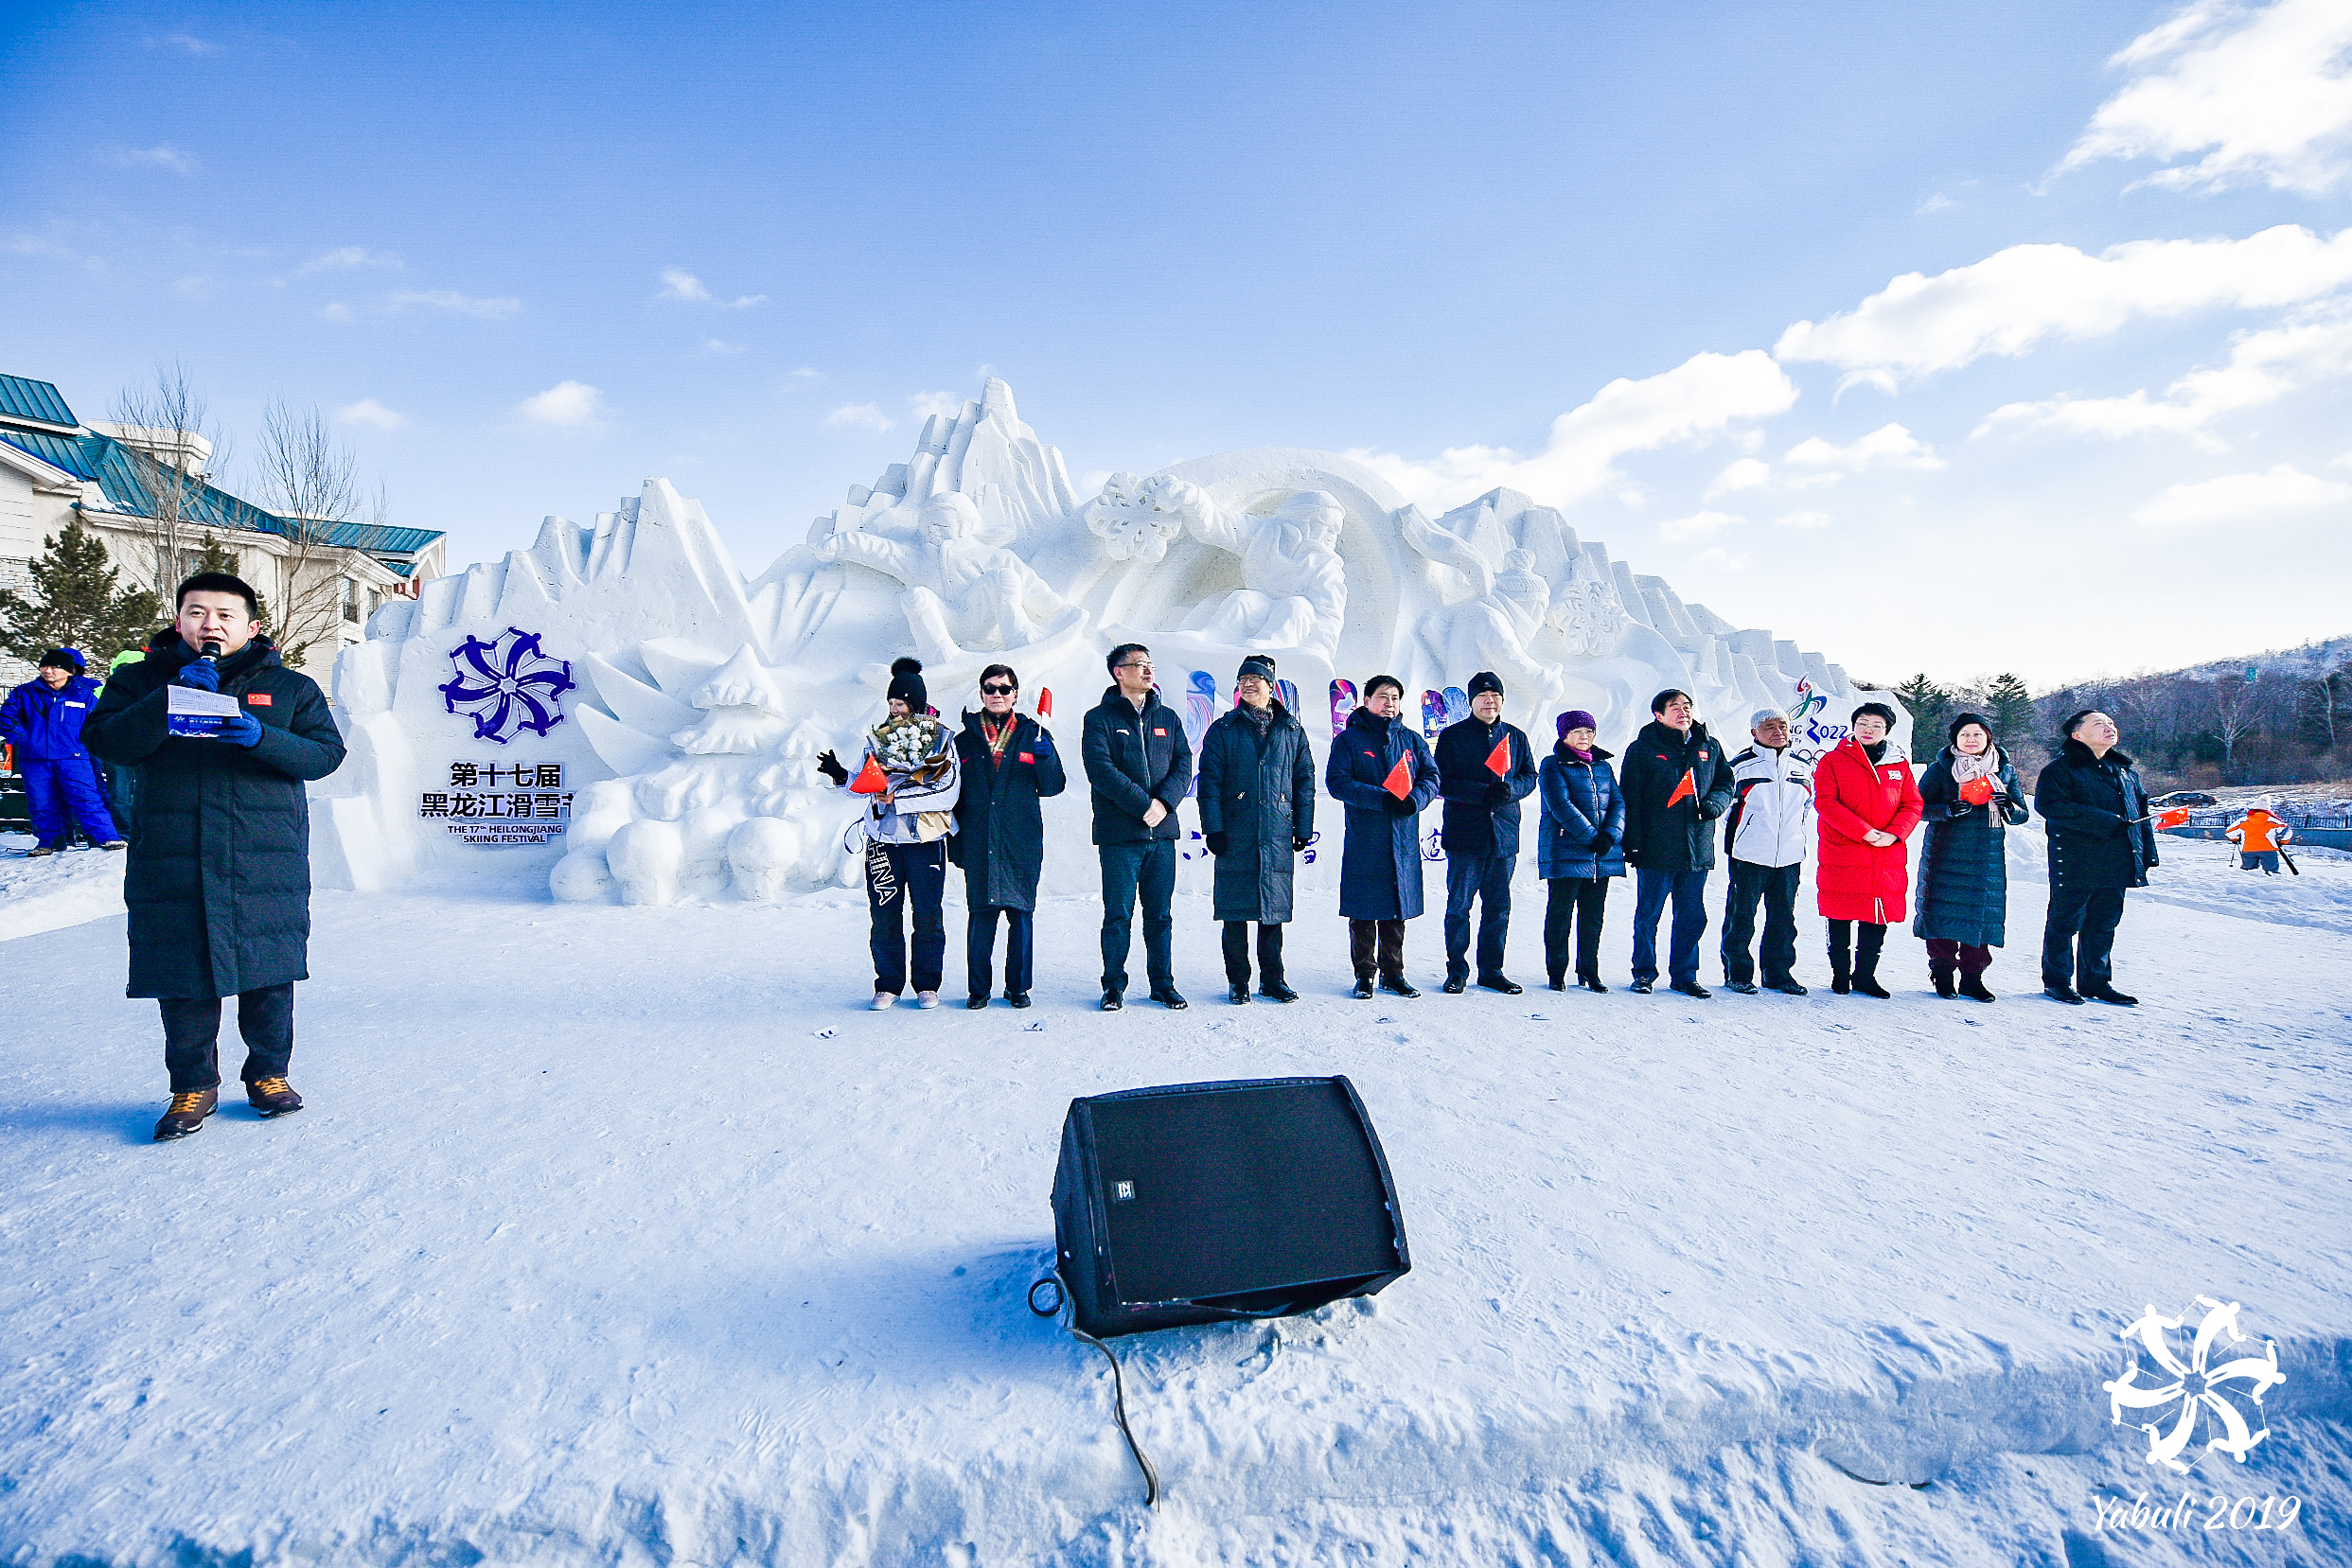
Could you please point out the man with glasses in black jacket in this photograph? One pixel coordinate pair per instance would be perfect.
(1139, 763)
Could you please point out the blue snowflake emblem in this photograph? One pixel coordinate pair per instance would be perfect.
(507, 686)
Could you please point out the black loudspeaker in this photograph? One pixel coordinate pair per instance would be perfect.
(1201, 1203)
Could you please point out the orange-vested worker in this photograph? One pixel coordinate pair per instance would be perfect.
(2259, 836)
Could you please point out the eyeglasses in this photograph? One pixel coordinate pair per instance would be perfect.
(998, 689)
(1137, 664)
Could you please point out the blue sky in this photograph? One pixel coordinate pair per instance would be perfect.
(532, 255)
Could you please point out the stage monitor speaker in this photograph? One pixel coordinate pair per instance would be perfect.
(1202, 1202)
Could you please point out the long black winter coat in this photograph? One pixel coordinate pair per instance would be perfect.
(1964, 876)
(1133, 759)
(1257, 787)
(1473, 824)
(1000, 836)
(218, 879)
(2090, 804)
(1680, 837)
(1581, 802)
(1380, 866)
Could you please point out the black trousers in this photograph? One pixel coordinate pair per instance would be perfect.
(1237, 952)
(192, 1036)
(900, 877)
(979, 946)
(1377, 946)
(2078, 939)
(1578, 900)
(1775, 886)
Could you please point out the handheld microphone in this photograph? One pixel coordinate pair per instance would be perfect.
(210, 651)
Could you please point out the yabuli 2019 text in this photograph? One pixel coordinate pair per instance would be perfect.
(2190, 1512)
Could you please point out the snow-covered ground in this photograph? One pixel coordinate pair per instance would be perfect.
(622, 1235)
(56, 890)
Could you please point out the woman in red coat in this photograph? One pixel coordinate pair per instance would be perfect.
(1867, 803)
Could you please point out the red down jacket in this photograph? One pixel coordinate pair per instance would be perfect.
(1853, 795)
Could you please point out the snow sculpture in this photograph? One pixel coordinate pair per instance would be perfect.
(702, 696)
(1297, 591)
(959, 587)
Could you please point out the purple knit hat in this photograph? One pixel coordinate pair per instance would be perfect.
(1576, 718)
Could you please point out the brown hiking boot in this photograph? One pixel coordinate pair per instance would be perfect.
(187, 1114)
(271, 1097)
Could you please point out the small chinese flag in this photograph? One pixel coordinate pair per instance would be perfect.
(2176, 818)
(1977, 792)
(1045, 702)
(1400, 780)
(870, 778)
(1498, 760)
(1687, 790)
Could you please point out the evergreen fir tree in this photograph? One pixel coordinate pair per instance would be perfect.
(76, 604)
(215, 558)
(1931, 710)
(2011, 708)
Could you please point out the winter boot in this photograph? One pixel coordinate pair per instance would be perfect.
(1363, 992)
(1940, 974)
(1972, 987)
(1237, 993)
(1841, 963)
(1592, 982)
(271, 1097)
(1868, 941)
(1273, 988)
(1399, 986)
(187, 1114)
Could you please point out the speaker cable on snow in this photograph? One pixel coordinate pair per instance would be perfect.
(1118, 1381)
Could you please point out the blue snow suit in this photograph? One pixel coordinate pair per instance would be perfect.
(61, 780)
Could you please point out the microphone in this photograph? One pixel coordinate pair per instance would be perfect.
(210, 651)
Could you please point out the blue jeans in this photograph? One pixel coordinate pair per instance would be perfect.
(903, 876)
(1145, 870)
(980, 944)
(1486, 878)
(1650, 890)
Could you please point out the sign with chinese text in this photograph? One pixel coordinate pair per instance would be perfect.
(495, 803)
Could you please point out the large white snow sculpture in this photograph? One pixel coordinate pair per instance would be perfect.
(683, 766)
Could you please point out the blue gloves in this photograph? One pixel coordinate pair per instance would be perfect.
(240, 730)
(202, 674)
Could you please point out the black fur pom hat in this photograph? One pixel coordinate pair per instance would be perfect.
(906, 684)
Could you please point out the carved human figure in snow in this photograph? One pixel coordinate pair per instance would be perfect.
(1492, 630)
(1298, 590)
(959, 587)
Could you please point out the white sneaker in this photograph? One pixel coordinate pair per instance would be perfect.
(926, 998)
(884, 1001)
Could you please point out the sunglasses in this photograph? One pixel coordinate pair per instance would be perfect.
(998, 689)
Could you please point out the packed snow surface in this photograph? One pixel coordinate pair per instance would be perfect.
(625, 1235)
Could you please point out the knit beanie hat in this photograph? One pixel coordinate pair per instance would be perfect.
(64, 659)
(1486, 680)
(1952, 734)
(906, 684)
(1258, 664)
(1576, 718)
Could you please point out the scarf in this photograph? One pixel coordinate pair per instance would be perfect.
(1986, 767)
(1570, 751)
(997, 735)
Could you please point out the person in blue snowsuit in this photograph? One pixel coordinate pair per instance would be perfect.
(43, 719)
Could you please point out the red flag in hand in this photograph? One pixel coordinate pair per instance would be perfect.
(871, 780)
(1400, 780)
(2176, 818)
(1500, 759)
(1977, 792)
(1687, 790)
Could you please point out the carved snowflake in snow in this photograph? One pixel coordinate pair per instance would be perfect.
(2199, 1391)
(1135, 517)
(507, 686)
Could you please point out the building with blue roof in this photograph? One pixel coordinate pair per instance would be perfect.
(53, 468)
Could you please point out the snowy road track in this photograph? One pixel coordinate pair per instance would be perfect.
(627, 1236)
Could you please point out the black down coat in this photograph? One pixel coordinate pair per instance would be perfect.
(218, 879)
(1257, 787)
(2097, 810)
(1133, 759)
(1380, 864)
(1964, 874)
(1680, 837)
(999, 838)
(1474, 823)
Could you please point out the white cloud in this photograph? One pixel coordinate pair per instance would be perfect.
(1804, 520)
(1724, 560)
(860, 416)
(1747, 473)
(335, 310)
(2013, 299)
(676, 283)
(1936, 204)
(456, 304)
(1698, 523)
(720, 346)
(567, 405)
(344, 259)
(927, 403)
(807, 373)
(187, 42)
(2265, 96)
(2235, 497)
(163, 156)
(2263, 367)
(368, 413)
(1888, 447)
(1698, 398)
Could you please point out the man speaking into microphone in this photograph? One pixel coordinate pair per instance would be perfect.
(218, 880)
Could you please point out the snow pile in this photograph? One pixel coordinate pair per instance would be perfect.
(56, 890)
(624, 1234)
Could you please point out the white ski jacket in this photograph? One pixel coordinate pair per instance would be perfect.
(1772, 822)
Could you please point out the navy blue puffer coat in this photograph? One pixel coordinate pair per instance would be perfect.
(1581, 802)
(1380, 866)
(1964, 877)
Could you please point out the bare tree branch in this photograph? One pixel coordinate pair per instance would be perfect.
(164, 431)
(307, 478)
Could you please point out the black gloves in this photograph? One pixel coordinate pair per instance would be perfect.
(1218, 842)
(1298, 844)
(1603, 844)
(1403, 806)
(1497, 792)
(830, 765)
